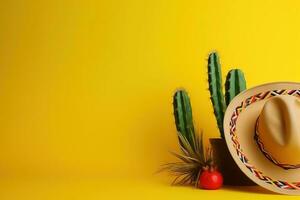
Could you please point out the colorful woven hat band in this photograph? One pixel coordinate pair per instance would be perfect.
(267, 154)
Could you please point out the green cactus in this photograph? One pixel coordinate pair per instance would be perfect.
(183, 115)
(235, 83)
(216, 89)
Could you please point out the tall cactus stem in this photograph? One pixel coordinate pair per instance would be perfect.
(216, 89)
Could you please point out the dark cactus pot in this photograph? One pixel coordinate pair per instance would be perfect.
(231, 173)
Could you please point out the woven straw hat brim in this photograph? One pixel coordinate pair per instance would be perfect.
(239, 128)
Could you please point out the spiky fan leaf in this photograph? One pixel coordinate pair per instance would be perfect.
(191, 160)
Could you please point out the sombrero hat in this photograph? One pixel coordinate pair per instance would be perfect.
(262, 132)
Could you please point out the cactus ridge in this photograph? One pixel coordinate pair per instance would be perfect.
(183, 114)
(216, 89)
(235, 83)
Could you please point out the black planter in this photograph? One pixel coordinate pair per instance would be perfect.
(231, 173)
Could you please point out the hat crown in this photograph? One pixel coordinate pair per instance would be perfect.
(279, 129)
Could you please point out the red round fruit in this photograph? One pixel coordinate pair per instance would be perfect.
(210, 179)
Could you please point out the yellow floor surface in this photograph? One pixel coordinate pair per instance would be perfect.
(87, 188)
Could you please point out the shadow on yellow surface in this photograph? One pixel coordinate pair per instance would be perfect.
(248, 189)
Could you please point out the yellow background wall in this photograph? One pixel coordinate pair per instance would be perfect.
(86, 86)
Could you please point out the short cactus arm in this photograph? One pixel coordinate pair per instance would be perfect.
(183, 114)
(235, 83)
(216, 89)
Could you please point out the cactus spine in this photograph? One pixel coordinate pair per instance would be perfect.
(183, 115)
(235, 83)
(216, 89)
